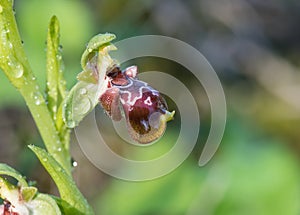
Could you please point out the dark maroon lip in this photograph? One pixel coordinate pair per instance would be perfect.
(141, 104)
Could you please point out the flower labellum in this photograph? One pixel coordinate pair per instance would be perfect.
(145, 110)
(120, 93)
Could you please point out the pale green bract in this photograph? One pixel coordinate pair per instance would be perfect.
(84, 96)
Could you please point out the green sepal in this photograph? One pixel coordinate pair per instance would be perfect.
(94, 44)
(28, 193)
(79, 102)
(84, 96)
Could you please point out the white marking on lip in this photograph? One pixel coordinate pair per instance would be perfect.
(131, 101)
(148, 101)
(129, 96)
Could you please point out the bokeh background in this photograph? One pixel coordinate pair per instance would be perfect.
(254, 46)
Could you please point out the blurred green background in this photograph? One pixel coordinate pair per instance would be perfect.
(254, 46)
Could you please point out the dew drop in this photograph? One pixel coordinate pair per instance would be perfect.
(59, 149)
(1, 9)
(74, 164)
(85, 106)
(59, 57)
(54, 109)
(37, 102)
(62, 67)
(71, 124)
(10, 45)
(83, 91)
(15, 66)
(45, 159)
(19, 71)
(37, 98)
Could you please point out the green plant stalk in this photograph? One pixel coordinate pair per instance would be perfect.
(15, 65)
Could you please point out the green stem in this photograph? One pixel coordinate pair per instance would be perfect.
(15, 65)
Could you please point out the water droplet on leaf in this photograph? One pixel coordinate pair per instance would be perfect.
(37, 102)
(16, 67)
(19, 70)
(71, 124)
(10, 45)
(85, 106)
(37, 98)
(83, 91)
(59, 57)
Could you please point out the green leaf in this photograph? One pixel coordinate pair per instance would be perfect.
(7, 170)
(64, 182)
(56, 85)
(65, 207)
(84, 96)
